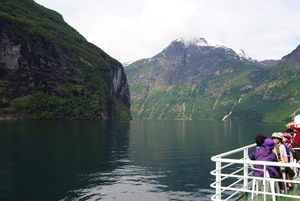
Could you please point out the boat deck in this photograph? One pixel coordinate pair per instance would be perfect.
(234, 177)
(295, 191)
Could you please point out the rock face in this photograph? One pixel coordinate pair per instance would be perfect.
(291, 62)
(192, 79)
(49, 71)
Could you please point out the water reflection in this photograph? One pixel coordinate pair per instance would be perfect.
(42, 158)
(131, 182)
(133, 160)
(124, 183)
(164, 161)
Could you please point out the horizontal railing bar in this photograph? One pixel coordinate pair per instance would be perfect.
(233, 194)
(234, 151)
(242, 174)
(226, 176)
(224, 188)
(267, 163)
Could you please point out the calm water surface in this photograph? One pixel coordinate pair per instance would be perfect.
(124, 160)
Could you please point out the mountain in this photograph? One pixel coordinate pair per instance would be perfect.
(49, 71)
(192, 79)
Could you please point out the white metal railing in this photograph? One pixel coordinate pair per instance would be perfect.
(233, 175)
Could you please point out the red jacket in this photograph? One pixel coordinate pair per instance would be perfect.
(297, 132)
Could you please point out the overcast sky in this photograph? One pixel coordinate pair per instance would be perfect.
(129, 30)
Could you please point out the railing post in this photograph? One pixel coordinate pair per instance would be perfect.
(224, 163)
(265, 182)
(218, 180)
(246, 154)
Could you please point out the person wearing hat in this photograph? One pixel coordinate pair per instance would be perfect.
(295, 127)
(282, 156)
(265, 153)
(292, 133)
(287, 140)
(280, 149)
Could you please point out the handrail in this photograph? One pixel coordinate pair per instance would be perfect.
(233, 178)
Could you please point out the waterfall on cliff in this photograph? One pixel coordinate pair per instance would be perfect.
(226, 116)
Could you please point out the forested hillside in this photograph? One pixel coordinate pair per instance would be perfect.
(199, 81)
(49, 71)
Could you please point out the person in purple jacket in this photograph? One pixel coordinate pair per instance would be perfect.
(265, 153)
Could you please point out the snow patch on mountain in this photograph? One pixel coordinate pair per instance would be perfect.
(187, 41)
(242, 54)
(201, 42)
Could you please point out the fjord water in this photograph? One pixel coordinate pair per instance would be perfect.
(120, 160)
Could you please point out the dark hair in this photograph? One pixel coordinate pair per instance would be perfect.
(259, 139)
(289, 130)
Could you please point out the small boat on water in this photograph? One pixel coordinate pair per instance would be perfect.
(234, 180)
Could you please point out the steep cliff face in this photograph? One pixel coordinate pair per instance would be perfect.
(49, 71)
(196, 80)
(189, 62)
(289, 63)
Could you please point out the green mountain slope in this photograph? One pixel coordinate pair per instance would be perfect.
(277, 97)
(49, 71)
(208, 82)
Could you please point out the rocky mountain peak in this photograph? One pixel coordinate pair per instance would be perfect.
(201, 42)
(194, 79)
(242, 54)
(195, 49)
(187, 41)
